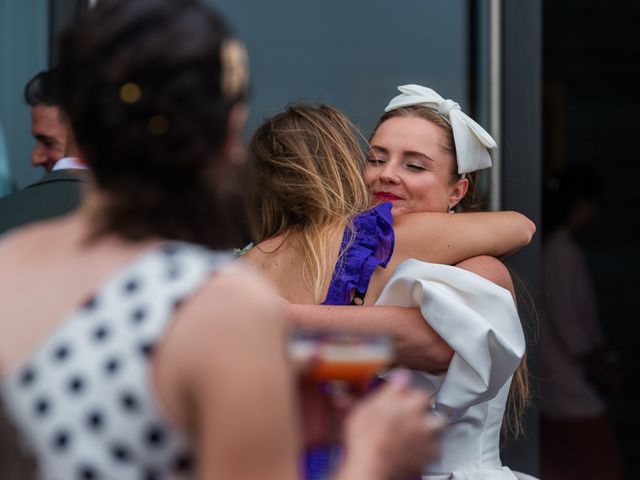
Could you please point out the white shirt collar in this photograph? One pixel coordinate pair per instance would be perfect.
(67, 163)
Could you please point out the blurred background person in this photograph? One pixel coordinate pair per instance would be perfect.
(577, 369)
(48, 124)
(57, 193)
(59, 190)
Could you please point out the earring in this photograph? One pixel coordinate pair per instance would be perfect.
(451, 209)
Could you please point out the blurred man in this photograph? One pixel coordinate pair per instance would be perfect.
(48, 125)
(58, 191)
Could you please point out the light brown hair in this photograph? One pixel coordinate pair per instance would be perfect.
(309, 164)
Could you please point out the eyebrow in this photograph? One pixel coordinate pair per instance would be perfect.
(44, 138)
(405, 153)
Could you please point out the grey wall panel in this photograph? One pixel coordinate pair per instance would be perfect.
(24, 48)
(521, 173)
(349, 54)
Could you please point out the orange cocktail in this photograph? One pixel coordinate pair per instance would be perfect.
(336, 363)
(345, 356)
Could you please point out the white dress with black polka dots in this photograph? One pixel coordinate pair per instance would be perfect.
(84, 400)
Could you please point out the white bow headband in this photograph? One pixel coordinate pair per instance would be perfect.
(474, 145)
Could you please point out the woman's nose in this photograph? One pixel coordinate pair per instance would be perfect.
(388, 174)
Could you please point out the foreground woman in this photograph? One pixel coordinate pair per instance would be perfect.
(144, 354)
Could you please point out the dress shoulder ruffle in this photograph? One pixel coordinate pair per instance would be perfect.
(476, 317)
(366, 246)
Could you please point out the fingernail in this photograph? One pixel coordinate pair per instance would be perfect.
(400, 377)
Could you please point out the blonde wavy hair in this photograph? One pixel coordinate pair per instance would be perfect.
(309, 167)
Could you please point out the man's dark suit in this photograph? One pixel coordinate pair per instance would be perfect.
(55, 194)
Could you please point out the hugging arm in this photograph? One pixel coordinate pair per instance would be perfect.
(432, 237)
(417, 345)
(450, 239)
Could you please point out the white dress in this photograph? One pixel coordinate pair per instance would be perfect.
(480, 322)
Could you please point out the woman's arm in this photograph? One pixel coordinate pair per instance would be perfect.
(225, 361)
(417, 345)
(452, 238)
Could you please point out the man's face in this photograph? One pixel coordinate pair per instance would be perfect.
(50, 133)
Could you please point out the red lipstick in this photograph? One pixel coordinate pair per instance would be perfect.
(386, 197)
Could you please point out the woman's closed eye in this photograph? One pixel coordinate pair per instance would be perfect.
(373, 161)
(417, 167)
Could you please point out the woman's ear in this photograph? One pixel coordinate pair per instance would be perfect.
(457, 191)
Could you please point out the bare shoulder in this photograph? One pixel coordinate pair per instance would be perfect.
(25, 246)
(490, 268)
(17, 242)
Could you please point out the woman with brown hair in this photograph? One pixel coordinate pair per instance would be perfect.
(128, 349)
(315, 213)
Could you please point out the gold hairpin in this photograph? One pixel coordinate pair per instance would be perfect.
(235, 68)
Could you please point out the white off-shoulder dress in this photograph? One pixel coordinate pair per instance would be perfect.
(480, 322)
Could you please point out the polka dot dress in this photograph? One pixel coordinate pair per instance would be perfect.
(84, 400)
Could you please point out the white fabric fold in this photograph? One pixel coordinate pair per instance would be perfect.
(476, 317)
(67, 163)
(474, 146)
(502, 473)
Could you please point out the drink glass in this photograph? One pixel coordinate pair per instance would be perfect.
(336, 362)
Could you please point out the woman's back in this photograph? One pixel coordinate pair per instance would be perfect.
(39, 261)
(93, 374)
(281, 259)
(85, 393)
